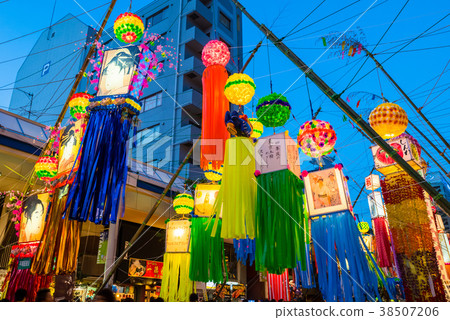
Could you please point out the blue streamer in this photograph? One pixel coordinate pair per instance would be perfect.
(305, 278)
(245, 249)
(99, 184)
(336, 240)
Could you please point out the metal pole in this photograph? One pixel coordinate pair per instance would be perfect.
(147, 218)
(418, 110)
(336, 98)
(251, 57)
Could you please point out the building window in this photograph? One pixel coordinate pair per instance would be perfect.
(145, 139)
(153, 101)
(225, 21)
(157, 17)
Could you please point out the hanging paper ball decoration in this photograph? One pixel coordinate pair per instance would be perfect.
(389, 120)
(46, 167)
(78, 104)
(239, 89)
(316, 138)
(273, 110)
(183, 203)
(363, 227)
(128, 27)
(258, 128)
(213, 175)
(215, 52)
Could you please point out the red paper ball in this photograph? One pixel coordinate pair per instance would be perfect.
(215, 52)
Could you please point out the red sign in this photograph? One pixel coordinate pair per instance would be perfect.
(145, 268)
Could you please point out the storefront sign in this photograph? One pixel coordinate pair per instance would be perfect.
(33, 217)
(24, 264)
(145, 268)
(178, 235)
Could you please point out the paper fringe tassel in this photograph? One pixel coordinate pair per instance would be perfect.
(26, 280)
(336, 241)
(278, 286)
(176, 285)
(207, 253)
(281, 223)
(305, 278)
(99, 185)
(384, 251)
(60, 241)
(245, 250)
(237, 194)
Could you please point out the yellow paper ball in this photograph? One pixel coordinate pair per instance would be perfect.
(363, 227)
(239, 89)
(258, 128)
(213, 175)
(389, 120)
(183, 203)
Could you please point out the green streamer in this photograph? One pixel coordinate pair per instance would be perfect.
(207, 253)
(281, 222)
(175, 284)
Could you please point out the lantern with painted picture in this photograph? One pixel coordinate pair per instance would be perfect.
(258, 128)
(406, 147)
(389, 120)
(205, 196)
(239, 89)
(372, 182)
(128, 27)
(183, 203)
(316, 138)
(78, 104)
(273, 110)
(46, 167)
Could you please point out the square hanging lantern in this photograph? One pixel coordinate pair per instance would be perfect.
(70, 142)
(405, 146)
(205, 196)
(178, 236)
(32, 222)
(277, 152)
(376, 205)
(117, 71)
(372, 182)
(326, 192)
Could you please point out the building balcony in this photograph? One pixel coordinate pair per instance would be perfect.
(186, 134)
(195, 38)
(192, 67)
(199, 14)
(191, 101)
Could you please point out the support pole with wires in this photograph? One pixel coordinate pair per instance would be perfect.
(336, 98)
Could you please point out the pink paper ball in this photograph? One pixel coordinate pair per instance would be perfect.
(215, 52)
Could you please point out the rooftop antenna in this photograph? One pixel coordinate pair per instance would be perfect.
(51, 21)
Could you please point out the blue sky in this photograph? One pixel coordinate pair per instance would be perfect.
(411, 69)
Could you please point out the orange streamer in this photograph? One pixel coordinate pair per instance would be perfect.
(215, 104)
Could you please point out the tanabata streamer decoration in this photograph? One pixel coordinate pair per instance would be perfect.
(215, 52)
(389, 120)
(305, 278)
(215, 105)
(183, 203)
(363, 227)
(213, 174)
(281, 222)
(60, 242)
(99, 184)
(245, 250)
(239, 89)
(47, 166)
(316, 138)
(237, 195)
(343, 270)
(78, 104)
(278, 286)
(128, 27)
(412, 239)
(383, 246)
(273, 110)
(207, 253)
(176, 285)
(24, 279)
(258, 128)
